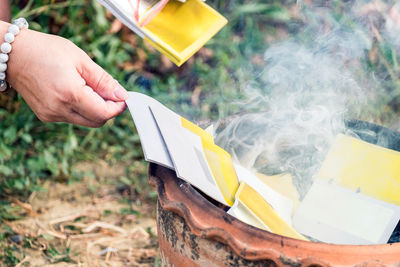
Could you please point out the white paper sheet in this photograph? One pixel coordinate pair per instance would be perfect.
(334, 214)
(186, 151)
(153, 145)
(124, 14)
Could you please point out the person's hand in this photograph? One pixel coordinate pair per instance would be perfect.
(60, 83)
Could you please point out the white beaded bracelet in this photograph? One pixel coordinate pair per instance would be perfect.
(5, 48)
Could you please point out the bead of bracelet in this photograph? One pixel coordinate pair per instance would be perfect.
(3, 58)
(6, 48)
(14, 29)
(3, 67)
(9, 37)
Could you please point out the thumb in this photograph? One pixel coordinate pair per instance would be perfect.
(101, 82)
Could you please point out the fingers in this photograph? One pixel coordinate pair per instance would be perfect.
(102, 82)
(101, 99)
(154, 12)
(78, 119)
(94, 108)
(135, 9)
(70, 116)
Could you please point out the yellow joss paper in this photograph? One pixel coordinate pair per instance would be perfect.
(256, 205)
(219, 161)
(181, 29)
(363, 167)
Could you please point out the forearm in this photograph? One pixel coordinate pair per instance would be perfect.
(5, 10)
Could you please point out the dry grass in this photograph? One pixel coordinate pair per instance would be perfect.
(88, 223)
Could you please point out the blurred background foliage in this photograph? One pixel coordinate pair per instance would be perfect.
(203, 88)
(32, 151)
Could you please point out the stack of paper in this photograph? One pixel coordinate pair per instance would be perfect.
(354, 200)
(356, 197)
(178, 29)
(174, 142)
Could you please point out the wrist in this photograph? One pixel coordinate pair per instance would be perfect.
(15, 63)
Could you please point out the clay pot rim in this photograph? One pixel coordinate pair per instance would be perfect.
(207, 221)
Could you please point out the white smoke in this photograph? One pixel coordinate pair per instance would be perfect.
(310, 85)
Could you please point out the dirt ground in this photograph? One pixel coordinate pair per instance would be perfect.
(92, 222)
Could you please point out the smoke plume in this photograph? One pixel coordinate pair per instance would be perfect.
(309, 86)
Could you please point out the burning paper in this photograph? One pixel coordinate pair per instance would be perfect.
(177, 29)
(174, 142)
(358, 214)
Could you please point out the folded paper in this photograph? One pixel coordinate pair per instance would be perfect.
(154, 148)
(190, 152)
(279, 202)
(251, 207)
(351, 202)
(179, 30)
(173, 141)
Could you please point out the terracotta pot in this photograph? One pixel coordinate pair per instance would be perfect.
(192, 231)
